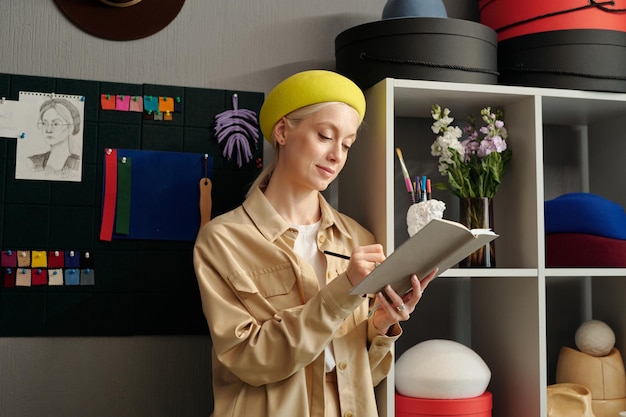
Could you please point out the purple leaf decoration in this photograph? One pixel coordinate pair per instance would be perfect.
(236, 130)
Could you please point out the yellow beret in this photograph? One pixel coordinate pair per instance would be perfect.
(306, 88)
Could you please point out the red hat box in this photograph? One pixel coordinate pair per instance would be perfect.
(512, 18)
(479, 406)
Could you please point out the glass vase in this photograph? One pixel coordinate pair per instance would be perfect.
(477, 213)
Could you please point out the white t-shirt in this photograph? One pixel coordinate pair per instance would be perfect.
(306, 246)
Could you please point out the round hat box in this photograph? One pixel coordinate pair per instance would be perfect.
(512, 18)
(418, 48)
(479, 406)
(578, 59)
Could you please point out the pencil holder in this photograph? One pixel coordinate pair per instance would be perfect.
(419, 214)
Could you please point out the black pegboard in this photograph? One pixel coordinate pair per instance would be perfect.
(142, 287)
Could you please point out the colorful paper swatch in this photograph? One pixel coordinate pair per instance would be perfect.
(107, 102)
(54, 268)
(122, 103)
(167, 180)
(136, 104)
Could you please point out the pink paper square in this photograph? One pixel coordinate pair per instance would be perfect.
(136, 104)
(122, 103)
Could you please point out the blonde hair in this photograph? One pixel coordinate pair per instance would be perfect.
(293, 119)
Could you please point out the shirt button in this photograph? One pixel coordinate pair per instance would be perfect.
(348, 414)
(342, 365)
(380, 343)
(322, 239)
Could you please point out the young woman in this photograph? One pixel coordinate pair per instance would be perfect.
(288, 338)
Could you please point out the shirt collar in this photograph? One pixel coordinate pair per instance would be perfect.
(272, 225)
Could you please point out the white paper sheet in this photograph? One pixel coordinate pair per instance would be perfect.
(10, 118)
(51, 148)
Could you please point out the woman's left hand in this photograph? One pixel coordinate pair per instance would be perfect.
(394, 308)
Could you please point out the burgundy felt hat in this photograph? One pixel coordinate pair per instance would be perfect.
(121, 20)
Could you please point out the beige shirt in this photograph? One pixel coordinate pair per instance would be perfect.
(270, 321)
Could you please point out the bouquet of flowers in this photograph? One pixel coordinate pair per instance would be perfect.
(473, 159)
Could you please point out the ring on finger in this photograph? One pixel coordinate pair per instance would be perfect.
(376, 264)
(401, 307)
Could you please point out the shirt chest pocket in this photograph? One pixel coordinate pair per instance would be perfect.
(267, 289)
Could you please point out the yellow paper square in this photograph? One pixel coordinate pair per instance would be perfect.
(39, 259)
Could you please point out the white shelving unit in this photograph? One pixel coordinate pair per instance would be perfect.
(510, 315)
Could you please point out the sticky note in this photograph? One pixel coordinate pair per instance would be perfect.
(166, 104)
(107, 102)
(178, 104)
(150, 104)
(136, 104)
(122, 103)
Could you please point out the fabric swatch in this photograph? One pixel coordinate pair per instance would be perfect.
(23, 258)
(122, 210)
(72, 276)
(55, 276)
(9, 277)
(39, 276)
(86, 260)
(109, 195)
(72, 259)
(39, 259)
(56, 259)
(178, 105)
(167, 181)
(8, 258)
(22, 278)
(87, 277)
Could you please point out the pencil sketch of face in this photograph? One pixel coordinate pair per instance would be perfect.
(54, 128)
(52, 146)
(58, 121)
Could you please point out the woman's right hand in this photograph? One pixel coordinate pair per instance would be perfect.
(363, 260)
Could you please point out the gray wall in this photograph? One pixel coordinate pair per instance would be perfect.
(236, 44)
